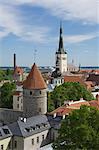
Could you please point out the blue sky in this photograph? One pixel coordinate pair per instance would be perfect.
(29, 25)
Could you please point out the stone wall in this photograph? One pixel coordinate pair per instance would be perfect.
(34, 102)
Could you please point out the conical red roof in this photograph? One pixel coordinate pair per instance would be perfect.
(34, 79)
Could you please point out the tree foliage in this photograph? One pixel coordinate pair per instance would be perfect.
(69, 91)
(79, 131)
(6, 99)
(6, 74)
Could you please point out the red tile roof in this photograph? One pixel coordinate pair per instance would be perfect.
(94, 78)
(34, 79)
(63, 110)
(89, 85)
(79, 104)
(94, 103)
(66, 109)
(73, 79)
(18, 70)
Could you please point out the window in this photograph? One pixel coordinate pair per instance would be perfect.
(37, 139)
(42, 137)
(15, 144)
(17, 98)
(6, 131)
(2, 147)
(39, 109)
(32, 141)
(17, 105)
(30, 92)
(40, 92)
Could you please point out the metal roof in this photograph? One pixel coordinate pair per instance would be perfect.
(5, 132)
(30, 126)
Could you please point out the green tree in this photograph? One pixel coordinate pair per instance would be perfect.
(50, 102)
(2, 75)
(79, 131)
(69, 91)
(6, 99)
(6, 74)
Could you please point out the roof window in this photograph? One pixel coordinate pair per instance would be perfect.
(6, 131)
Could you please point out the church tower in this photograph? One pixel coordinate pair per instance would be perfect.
(34, 94)
(61, 56)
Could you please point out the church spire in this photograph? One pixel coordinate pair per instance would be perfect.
(61, 47)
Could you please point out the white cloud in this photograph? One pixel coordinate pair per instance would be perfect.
(3, 33)
(79, 38)
(85, 10)
(11, 21)
(11, 18)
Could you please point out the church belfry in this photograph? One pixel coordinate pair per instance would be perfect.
(61, 55)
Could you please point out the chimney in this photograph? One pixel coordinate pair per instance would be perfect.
(54, 115)
(81, 99)
(63, 116)
(22, 119)
(14, 61)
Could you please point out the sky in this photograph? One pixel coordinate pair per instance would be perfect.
(27, 26)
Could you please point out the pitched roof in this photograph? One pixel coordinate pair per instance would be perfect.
(30, 126)
(78, 104)
(63, 110)
(67, 109)
(34, 79)
(94, 103)
(74, 79)
(94, 78)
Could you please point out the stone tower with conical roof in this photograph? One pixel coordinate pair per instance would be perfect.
(34, 94)
(61, 56)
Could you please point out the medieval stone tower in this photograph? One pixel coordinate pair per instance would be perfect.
(34, 94)
(61, 56)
